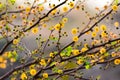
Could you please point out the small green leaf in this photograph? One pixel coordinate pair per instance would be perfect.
(70, 65)
(12, 1)
(87, 63)
(98, 77)
(113, 43)
(55, 69)
(87, 66)
(10, 55)
(106, 54)
(116, 2)
(65, 77)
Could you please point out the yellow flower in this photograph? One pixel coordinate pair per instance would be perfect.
(84, 49)
(96, 29)
(113, 54)
(116, 24)
(65, 8)
(80, 62)
(13, 16)
(44, 25)
(32, 66)
(74, 31)
(71, 4)
(43, 62)
(57, 26)
(35, 30)
(117, 61)
(103, 34)
(77, 7)
(51, 54)
(75, 38)
(64, 20)
(93, 61)
(5, 54)
(75, 52)
(41, 8)
(45, 75)
(103, 27)
(1, 59)
(13, 60)
(88, 32)
(23, 76)
(115, 7)
(15, 41)
(54, 12)
(85, 45)
(33, 72)
(94, 34)
(3, 65)
(102, 50)
(27, 9)
(62, 24)
(30, 23)
(101, 60)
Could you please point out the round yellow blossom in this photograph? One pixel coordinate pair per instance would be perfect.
(84, 49)
(3, 65)
(103, 34)
(41, 8)
(88, 32)
(27, 9)
(23, 76)
(1, 59)
(116, 24)
(77, 7)
(75, 38)
(44, 25)
(117, 61)
(12, 60)
(114, 7)
(30, 23)
(103, 27)
(45, 75)
(75, 52)
(102, 50)
(14, 16)
(54, 12)
(80, 61)
(64, 20)
(74, 31)
(93, 61)
(101, 60)
(33, 72)
(15, 41)
(43, 62)
(35, 30)
(65, 8)
(85, 45)
(62, 24)
(51, 54)
(32, 66)
(71, 4)
(113, 54)
(96, 29)
(57, 26)
(94, 34)
(5, 54)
